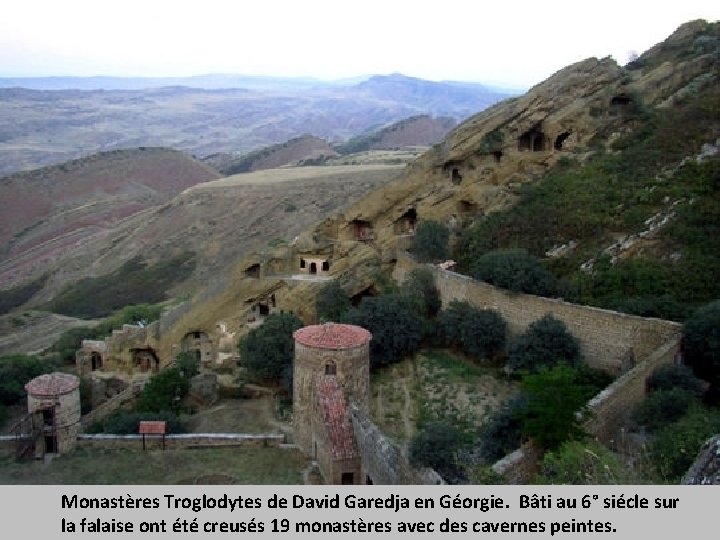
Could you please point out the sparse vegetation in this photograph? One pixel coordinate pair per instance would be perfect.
(436, 446)
(582, 463)
(587, 202)
(135, 282)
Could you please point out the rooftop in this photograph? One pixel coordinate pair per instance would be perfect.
(332, 336)
(52, 384)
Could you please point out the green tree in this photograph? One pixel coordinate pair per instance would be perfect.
(502, 432)
(164, 392)
(701, 344)
(188, 364)
(554, 410)
(515, 270)
(395, 324)
(431, 241)
(419, 287)
(16, 370)
(331, 302)
(546, 342)
(268, 349)
(675, 376)
(436, 446)
(662, 407)
(479, 333)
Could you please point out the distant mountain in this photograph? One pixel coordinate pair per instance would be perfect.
(444, 98)
(422, 130)
(43, 127)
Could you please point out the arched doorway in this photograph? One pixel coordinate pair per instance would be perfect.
(95, 360)
(313, 268)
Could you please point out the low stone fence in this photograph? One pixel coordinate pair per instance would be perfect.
(183, 440)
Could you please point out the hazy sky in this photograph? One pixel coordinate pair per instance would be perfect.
(514, 43)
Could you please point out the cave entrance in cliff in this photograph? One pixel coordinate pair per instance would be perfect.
(253, 271)
(497, 154)
(533, 139)
(325, 266)
(95, 360)
(621, 100)
(467, 207)
(145, 359)
(362, 230)
(560, 140)
(303, 264)
(406, 223)
(367, 292)
(455, 176)
(313, 268)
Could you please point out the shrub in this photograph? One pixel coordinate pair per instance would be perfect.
(419, 287)
(662, 407)
(546, 342)
(268, 349)
(515, 270)
(164, 392)
(395, 324)
(431, 241)
(580, 463)
(331, 302)
(15, 371)
(701, 343)
(502, 433)
(554, 410)
(675, 446)
(675, 376)
(479, 333)
(188, 364)
(436, 446)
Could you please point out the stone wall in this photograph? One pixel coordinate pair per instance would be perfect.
(113, 404)
(611, 406)
(610, 341)
(184, 440)
(382, 461)
(520, 466)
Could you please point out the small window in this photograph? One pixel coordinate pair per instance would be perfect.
(330, 369)
(302, 263)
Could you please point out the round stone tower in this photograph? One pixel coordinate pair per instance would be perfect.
(54, 402)
(340, 350)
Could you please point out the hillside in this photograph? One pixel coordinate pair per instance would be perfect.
(293, 152)
(420, 130)
(42, 127)
(206, 228)
(49, 210)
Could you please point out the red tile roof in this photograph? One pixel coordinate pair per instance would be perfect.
(152, 427)
(52, 384)
(333, 407)
(332, 336)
